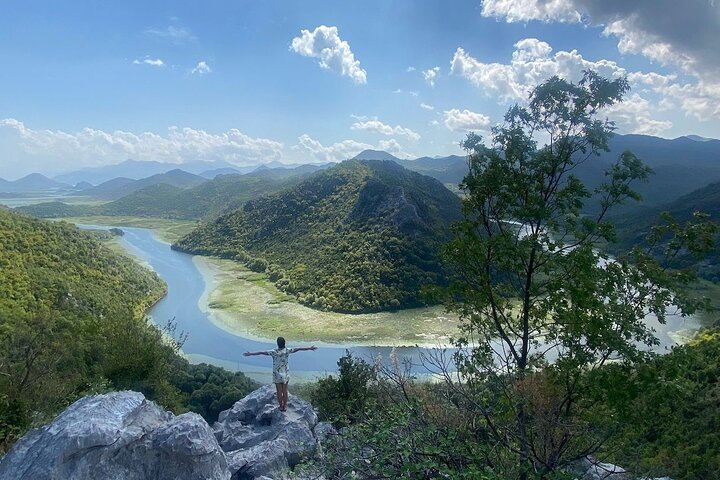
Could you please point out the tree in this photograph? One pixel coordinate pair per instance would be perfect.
(541, 306)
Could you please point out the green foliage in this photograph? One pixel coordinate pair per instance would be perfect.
(540, 303)
(72, 323)
(409, 429)
(344, 399)
(667, 414)
(207, 389)
(361, 236)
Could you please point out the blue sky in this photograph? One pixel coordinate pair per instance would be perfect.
(94, 83)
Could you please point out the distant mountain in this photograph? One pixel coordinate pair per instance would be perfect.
(136, 170)
(35, 182)
(375, 155)
(633, 228)
(210, 174)
(359, 236)
(681, 165)
(83, 185)
(450, 169)
(107, 189)
(287, 172)
(207, 200)
(698, 138)
(119, 187)
(162, 200)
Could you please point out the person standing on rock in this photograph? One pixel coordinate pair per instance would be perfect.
(281, 376)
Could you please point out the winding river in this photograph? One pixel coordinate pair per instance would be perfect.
(208, 343)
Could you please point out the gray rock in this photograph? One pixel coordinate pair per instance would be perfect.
(323, 430)
(119, 435)
(123, 436)
(590, 468)
(265, 459)
(260, 439)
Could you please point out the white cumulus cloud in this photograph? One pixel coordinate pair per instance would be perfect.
(531, 64)
(333, 153)
(345, 149)
(201, 68)
(333, 53)
(633, 116)
(425, 106)
(681, 33)
(91, 146)
(526, 10)
(155, 62)
(376, 126)
(465, 120)
(430, 75)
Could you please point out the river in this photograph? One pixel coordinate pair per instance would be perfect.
(208, 343)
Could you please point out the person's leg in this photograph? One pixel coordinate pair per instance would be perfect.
(280, 396)
(285, 395)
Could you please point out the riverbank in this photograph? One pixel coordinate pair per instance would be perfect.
(246, 303)
(167, 231)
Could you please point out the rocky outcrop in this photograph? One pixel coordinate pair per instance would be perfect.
(259, 439)
(119, 435)
(122, 435)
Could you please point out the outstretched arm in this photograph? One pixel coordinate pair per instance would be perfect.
(302, 349)
(250, 354)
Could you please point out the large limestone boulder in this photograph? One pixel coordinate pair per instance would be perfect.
(119, 435)
(123, 436)
(259, 439)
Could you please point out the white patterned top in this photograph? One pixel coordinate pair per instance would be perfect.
(280, 364)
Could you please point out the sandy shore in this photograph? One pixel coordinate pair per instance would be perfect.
(245, 304)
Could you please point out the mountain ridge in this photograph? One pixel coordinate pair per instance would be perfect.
(359, 236)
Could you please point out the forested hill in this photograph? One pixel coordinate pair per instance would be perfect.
(72, 323)
(55, 267)
(360, 236)
(67, 307)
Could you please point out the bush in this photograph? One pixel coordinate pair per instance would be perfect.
(344, 399)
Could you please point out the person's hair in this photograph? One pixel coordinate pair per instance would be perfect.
(281, 342)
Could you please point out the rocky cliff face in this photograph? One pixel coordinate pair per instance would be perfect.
(122, 435)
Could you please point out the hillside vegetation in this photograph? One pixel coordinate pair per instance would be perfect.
(72, 322)
(360, 236)
(634, 227)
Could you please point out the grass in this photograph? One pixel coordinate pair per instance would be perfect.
(249, 304)
(167, 230)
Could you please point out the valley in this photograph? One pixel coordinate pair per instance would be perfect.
(276, 280)
(333, 257)
(360, 240)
